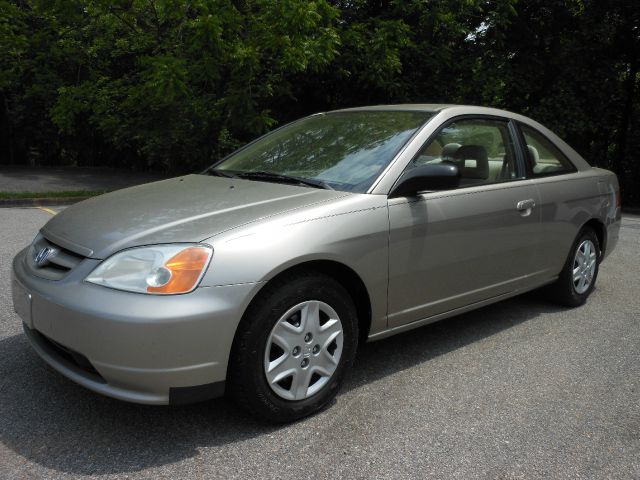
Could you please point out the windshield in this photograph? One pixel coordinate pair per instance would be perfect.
(344, 150)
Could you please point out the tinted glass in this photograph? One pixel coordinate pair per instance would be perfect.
(346, 150)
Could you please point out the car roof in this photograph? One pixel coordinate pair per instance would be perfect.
(421, 107)
(435, 108)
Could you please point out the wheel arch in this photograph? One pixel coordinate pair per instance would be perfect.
(601, 233)
(341, 273)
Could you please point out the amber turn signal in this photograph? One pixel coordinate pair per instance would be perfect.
(186, 269)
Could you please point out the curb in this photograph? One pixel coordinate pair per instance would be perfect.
(39, 202)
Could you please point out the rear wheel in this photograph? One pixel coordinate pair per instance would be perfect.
(293, 347)
(578, 277)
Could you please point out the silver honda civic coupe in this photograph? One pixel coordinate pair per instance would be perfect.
(259, 277)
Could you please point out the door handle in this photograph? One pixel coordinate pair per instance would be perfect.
(525, 206)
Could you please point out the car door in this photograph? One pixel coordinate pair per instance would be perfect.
(449, 249)
(562, 194)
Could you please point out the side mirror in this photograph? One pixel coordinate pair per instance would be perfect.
(436, 176)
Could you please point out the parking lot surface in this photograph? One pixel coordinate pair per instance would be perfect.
(60, 179)
(520, 389)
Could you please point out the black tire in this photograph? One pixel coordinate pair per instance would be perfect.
(564, 291)
(246, 380)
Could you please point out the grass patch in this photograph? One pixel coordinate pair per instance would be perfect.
(65, 194)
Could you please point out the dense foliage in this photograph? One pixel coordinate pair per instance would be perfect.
(174, 84)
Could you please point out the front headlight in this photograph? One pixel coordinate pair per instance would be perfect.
(158, 269)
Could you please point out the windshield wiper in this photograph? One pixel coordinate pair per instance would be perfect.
(219, 173)
(262, 175)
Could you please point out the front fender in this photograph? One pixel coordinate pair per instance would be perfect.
(356, 238)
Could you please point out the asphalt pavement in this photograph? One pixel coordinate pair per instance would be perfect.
(520, 389)
(61, 179)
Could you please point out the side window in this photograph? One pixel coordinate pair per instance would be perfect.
(482, 150)
(544, 156)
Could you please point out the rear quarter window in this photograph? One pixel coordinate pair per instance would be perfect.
(543, 156)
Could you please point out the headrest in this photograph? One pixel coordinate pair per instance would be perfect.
(533, 153)
(478, 153)
(448, 153)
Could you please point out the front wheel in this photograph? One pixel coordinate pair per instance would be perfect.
(293, 347)
(578, 277)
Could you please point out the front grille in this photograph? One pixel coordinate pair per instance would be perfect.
(51, 261)
(68, 356)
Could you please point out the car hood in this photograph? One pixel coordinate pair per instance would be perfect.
(182, 209)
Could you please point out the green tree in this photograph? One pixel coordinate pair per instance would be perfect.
(175, 84)
(171, 84)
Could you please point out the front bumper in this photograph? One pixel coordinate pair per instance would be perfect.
(139, 348)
